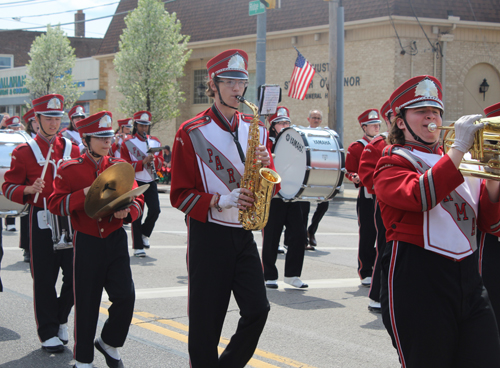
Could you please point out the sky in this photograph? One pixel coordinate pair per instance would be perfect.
(34, 15)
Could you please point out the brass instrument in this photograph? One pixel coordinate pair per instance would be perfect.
(259, 180)
(152, 163)
(485, 150)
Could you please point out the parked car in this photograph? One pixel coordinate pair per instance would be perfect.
(10, 139)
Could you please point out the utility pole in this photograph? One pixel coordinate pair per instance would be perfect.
(260, 70)
(336, 70)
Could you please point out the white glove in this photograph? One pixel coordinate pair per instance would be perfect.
(464, 132)
(231, 199)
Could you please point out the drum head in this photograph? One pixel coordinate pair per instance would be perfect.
(290, 161)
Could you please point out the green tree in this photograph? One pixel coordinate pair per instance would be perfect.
(152, 56)
(49, 70)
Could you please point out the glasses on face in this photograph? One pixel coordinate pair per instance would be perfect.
(284, 123)
(233, 82)
(316, 118)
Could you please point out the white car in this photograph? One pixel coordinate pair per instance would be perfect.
(10, 139)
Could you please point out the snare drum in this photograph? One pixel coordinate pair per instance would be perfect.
(310, 162)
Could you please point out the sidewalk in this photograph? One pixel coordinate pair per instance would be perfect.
(350, 193)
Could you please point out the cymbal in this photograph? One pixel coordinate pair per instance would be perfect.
(113, 182)
(120, 203)
(156, 149)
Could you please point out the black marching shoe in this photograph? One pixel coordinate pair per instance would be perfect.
(110, 361)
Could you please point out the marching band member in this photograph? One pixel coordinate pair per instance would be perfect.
(434, 304)
(124, 127)
(13, 123)
(207, 165)
(489, 249)
(135, 151)
(100, 246)
(282, 214)
(367, 163)
(370, 123)
(22, 182)
(32, 127)
(76, 113)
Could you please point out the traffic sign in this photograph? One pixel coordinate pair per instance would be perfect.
(256, 7)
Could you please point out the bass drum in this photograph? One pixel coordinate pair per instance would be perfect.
(310, 162)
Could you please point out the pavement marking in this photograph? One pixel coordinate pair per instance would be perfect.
(182, 291)
(256, 363)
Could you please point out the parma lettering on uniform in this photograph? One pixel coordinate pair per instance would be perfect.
(461, 212)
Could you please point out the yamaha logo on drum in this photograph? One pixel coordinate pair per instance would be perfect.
(295, 143)
(319, 141)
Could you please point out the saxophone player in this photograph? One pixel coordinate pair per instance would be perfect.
(207, 165)
(134, 150)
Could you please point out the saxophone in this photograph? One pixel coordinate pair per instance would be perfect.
(259, 180)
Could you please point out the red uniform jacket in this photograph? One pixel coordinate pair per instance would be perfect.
(187, 184)
(352, 158)
(369, 158)
(124, 153)
(24, 170)
(400, 195)
(68, 198)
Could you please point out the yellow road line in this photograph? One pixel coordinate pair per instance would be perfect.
(183, 338)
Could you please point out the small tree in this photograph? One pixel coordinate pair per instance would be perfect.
(151, 58)
(49, 70)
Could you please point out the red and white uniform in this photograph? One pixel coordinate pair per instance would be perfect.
(368, 161)
(134, 150)
(116, 147)
(353, 157)
(72, 135)
(209, 167)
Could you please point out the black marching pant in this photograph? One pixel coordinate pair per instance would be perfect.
(437, 310)
(139, 228)
(374, 293)
(281, 214)
(222, 260)
(489, 260)
(50, 310)
(321, 209)
(102, 264)
(24, 236)
(367, 234)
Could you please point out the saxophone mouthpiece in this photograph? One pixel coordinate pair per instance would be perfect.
(240, 98)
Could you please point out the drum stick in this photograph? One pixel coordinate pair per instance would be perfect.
(44, 170)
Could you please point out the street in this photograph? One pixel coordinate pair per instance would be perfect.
(325, 326)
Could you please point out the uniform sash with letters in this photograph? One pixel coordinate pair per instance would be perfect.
(140, 155)
(449, 226)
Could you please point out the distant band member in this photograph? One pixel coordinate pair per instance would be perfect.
(22, 182)
(370, 123)
(101, 252)
(124, 128)
(282, 214)
(135, 151)
(76, 113)
(369, 158)
(207, 164)
(32, 126)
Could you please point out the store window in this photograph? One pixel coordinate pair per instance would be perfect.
(199, 86)
(6, 61)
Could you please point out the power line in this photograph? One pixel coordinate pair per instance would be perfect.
(12, 6)
(66, 11)
(422, 28)
(394, 26)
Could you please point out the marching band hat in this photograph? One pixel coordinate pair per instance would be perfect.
(143, 117)
(76, 111)
(97, 125)
(229, 64)
(370, 116)
(127, 123)
(30, 115)
(386, 109)
(281, 114)
(424, 90)
(13, 122)
(49, 105)
(492, 111)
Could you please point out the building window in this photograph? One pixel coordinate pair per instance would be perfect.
(6, 61)
(199, 86)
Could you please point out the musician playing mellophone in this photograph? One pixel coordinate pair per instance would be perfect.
(23, 182)
(434, 304)
(100, 245)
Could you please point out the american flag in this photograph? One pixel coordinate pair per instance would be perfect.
(302, 75)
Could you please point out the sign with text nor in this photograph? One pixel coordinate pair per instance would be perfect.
(256, 7)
